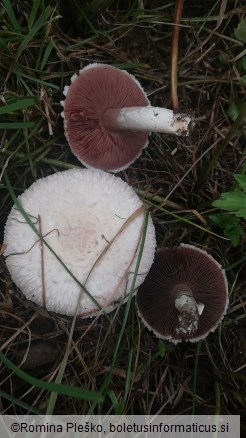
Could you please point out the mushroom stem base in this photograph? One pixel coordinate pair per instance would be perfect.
(147, 119)
(189, 313)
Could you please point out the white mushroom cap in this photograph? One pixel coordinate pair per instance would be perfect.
(80, 212)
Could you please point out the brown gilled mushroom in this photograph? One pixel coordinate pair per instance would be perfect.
(108, 117)
(184, 296)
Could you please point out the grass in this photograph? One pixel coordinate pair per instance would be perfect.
(116, 358)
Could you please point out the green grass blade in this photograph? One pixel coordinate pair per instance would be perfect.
(54, 395)
(47, 53)
(198, 347)
(35, 28)
(17, 125)
(70, 391)
(128, 304)
(38, 81)
(127, 383)
(16, 401)
(217, 398)
(33, 13)
(113, 399)
(132, 287)
(12, 18)
(183, 219)
(18, 105)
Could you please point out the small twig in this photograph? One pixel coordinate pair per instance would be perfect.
(24, 222)
(42, 264)
(187, 172)
(25, 252)
(103, 237)
(174, 53)
(133, 216)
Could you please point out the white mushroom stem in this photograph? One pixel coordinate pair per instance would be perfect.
(189, 313)
(147, 119)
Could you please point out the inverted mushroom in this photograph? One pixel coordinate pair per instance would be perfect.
(107, 117)
(94, 222)
(184, 296)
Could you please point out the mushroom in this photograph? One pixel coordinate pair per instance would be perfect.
(93, 222)
(184, 296)
(107, 117)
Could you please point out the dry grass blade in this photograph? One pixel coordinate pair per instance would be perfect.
(174, 54)
(129, 220)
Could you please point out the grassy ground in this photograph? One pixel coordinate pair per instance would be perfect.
(130, 371)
